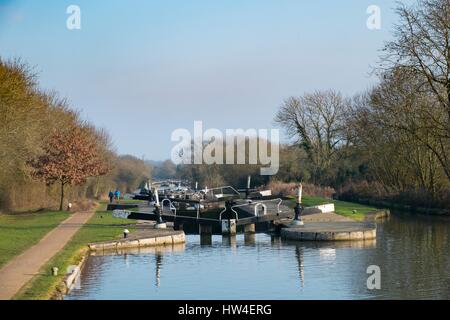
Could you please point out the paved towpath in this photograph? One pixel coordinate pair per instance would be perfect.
(17, 272)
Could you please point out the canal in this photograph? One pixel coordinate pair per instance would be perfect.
(412, 252)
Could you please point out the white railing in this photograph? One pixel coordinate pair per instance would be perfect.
(260, 203)
(224, 210)
(257, 204)
(221, 190)
(171, 206)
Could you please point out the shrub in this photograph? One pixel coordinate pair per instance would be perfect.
(284, 189)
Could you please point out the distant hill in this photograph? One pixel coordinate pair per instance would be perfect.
(162, 169)
(154, 163)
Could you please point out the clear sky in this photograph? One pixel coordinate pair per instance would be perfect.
(144, 68)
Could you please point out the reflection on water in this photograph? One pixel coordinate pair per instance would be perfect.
(412, 252)
(249, 238)
(301, 266)
(158, 269)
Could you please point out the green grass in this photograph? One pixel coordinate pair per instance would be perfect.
(342, 208)
(18, 232)
(130, 201)
(102, 226)
(122, 201)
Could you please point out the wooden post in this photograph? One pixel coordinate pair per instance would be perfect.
(205, 231)
(249, 228)
(205, 239)
(229, 227)
(178, 225)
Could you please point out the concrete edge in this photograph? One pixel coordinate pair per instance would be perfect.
(321, 208)
(69, 279)
(137, 243)
(376, 215)
(295, 234)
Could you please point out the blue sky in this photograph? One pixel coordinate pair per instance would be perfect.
(142, 69)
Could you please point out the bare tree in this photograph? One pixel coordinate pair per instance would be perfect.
(391, 125)
(421, 47)
(317, 120)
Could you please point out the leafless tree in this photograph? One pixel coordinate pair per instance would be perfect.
(317, 121)
(421, 47)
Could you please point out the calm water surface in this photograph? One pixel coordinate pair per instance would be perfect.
(412, 252)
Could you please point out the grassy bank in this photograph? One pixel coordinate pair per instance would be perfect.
(102, 226)
(125, 201)
(18, 232)
(352, 210)
(403, 207)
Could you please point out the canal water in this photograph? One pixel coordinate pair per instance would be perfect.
(412, 252)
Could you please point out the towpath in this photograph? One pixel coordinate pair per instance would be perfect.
(17, 272)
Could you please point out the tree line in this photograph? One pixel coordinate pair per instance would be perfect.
(390, 143)
(48, 154)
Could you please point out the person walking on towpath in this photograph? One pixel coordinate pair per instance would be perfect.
(111, 196)
(117, 195)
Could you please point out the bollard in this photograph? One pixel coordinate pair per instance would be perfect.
(125, 233)
(298, 209)
(54, 271)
